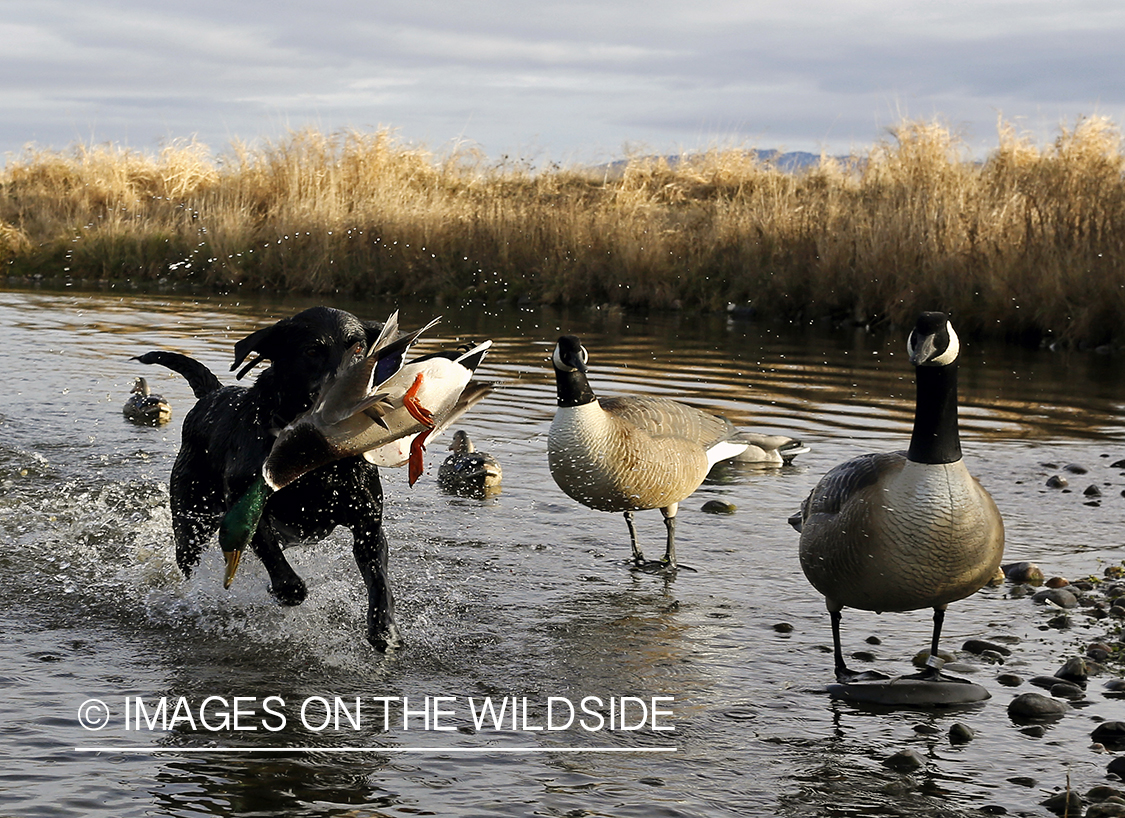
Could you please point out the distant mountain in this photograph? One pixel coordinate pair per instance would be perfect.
(787, 162)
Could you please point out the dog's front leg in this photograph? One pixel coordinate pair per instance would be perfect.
(370, 548)
(285, 585)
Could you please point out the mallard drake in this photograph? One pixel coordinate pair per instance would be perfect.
(468, 472)
(373, 402)
(904, 530)
(632, 453)
(146, 407)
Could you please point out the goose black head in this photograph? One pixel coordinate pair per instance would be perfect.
(569, 359)
(933, 341)
(570, 355)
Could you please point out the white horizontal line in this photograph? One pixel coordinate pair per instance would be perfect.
(435, 750)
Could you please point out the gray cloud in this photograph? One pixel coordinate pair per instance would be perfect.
(560, 79)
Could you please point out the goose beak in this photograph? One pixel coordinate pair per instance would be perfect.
(232, 558)
(923, 351)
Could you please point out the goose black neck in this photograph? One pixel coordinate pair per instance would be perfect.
(935, 438)
(573, 388)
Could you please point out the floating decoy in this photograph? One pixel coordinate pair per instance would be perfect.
(632, 453)
(146, 407)
(468, 472)
(905, 530)
(374, 402)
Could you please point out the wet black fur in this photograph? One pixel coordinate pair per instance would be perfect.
(229, 432)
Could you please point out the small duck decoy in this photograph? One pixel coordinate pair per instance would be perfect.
(905, 530)
(146, 407)
(628, 454)
(467, 472)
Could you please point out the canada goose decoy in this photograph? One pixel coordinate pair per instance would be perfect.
(629, 454)
(905, 530)
(145, 406)
(468, 472)
(368, 408)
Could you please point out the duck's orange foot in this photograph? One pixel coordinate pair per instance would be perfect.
(417, 449)
(417, 411)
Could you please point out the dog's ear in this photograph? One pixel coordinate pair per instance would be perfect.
(262, 342)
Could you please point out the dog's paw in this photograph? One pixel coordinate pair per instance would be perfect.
(385, 639)
(290, 592)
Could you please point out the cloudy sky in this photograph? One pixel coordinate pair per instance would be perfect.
(553, 80)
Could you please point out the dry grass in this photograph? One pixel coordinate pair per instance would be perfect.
(1025, 244)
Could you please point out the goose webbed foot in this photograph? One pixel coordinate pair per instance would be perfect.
(662, 566)
(845, 675)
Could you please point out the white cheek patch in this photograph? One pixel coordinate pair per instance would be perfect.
(951, 351)
(557, 360)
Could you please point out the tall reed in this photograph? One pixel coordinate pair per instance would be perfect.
(1027, 243)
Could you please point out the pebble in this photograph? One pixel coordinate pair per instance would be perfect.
(1036, 706)
(1118, 464)
(1111, 734)
(1064, 803)
(1057, 582)
(1057, 482)
(979, 646)
(961, 733)
(1060, 596)
(1074, 468)
(1021, 572)
(1066, 690)
(1115, 685)
(1092, 491)
(905, 761)
(783, 627)
(1009, 680)
(1117, 767)
(1074, 670)
(1108, 809)
(719, 507)
(921, 656)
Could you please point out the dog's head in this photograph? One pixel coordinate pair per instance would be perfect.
(304, 350)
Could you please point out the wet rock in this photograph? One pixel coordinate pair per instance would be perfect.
(873, 640)
(1115, 685)
(979, 646)
(996, 579)
(1074, 670)
(1117, 767)
(1067, 802)
(1092, 491)
(992, 657)
(1023, 781)
(719, 507)
(864, 656)
(961, 733)
(1059, 596)
(1111, 734)
(1046, 682)
(1060, 622)
(921, 656)
(1036, 707)
(1114, 572)
(905, 761)
(1035, 731)
(1109, 809)
(783, 627)
(1103, 792)
(1117, 464)
(1066, 690)
(1057, 582)
(1019, 591)
(927, 729)
(1056, 481)
(1074, 468)
(1009, 680)
(1023, 572)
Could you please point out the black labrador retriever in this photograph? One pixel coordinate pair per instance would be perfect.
(228, 434)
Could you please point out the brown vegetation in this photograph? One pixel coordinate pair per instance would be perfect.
(1028, 243)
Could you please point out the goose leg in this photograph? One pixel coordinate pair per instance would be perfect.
(844, 674)
(670, 523)
(932, 671)
(638, 557)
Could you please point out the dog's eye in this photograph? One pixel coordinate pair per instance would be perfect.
(314, 351)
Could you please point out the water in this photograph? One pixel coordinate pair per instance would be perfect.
(524, 595)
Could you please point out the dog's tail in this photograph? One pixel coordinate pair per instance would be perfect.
(201, 379)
